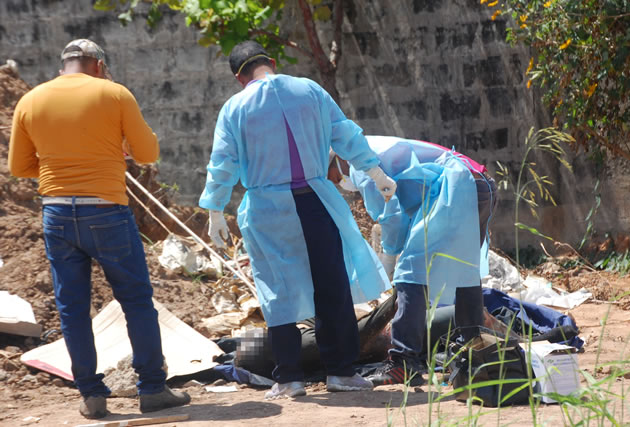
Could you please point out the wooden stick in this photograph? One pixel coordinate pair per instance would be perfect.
(196, 238)
(146, 208)
(235, 257)
(139, 421)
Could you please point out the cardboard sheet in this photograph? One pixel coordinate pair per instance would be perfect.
(17, 317)
(186, 350)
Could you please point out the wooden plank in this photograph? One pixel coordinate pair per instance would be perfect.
(139, 421)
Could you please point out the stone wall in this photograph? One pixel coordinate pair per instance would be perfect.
(437, 70)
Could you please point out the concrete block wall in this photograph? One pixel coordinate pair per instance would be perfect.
(436, 70)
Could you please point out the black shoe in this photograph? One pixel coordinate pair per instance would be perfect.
(394, 373)
(167, 398)
(93, 407)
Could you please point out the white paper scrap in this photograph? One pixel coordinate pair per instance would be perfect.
(221, 388)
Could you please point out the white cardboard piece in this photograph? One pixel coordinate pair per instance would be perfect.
(17, 317)
(556, 368)
(186, 351)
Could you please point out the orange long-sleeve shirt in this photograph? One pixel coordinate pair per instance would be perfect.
(69, 132)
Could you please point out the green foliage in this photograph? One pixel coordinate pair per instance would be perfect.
(197, 277)
(174, 188)
(615, 262)
(600, 400)
(530, 185)
(147, 239)
(581, 61)
(220, 22)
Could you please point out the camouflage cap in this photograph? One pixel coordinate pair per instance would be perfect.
(84, 47)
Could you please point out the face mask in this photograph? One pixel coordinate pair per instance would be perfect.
(346, 184)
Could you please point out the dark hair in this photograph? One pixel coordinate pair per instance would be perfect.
(243, 52)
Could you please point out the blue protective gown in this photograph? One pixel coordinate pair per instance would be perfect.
(250, 144)
(436, 197)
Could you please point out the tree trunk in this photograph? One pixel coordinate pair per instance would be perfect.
(327, 67)
(329, 82)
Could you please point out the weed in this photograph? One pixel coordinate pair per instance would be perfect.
(615, 262)
(169, 187)
(547, 140)
(146, 239)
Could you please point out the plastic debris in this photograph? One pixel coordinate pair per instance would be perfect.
(221, 388)
(503, 275)
(540, 291)
(178, 256)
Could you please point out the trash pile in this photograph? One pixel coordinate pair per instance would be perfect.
(534, 289)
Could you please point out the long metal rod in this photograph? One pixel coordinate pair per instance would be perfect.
(196, 238)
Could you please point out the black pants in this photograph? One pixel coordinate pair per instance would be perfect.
(335, 322)
(469, 301)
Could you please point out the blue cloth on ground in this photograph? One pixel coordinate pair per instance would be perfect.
(540, 317)
(248, 146)
(232, 373)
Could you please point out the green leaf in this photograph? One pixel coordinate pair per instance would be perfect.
(105, 5)
(154, 16)
(125, 17)
(227, 43)
(531, 230)
(175, 4)
(322, 13)
(206, 41)
(241, 26)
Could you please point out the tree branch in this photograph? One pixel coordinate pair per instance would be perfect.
(316, 47)
(336, 46)
(281, 40)
(615, 149)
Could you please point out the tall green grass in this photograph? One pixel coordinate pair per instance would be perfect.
(601, 400)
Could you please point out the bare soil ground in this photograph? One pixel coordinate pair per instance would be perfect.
(28, 396)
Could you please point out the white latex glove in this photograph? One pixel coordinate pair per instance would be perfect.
(384, 184)
(389, 264)
(218, 229)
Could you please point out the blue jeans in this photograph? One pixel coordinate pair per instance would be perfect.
(76, 234)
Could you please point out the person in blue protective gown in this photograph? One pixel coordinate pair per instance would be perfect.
(307, 254)
(432, 230)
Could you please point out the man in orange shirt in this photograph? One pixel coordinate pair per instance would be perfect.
(69, 133)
